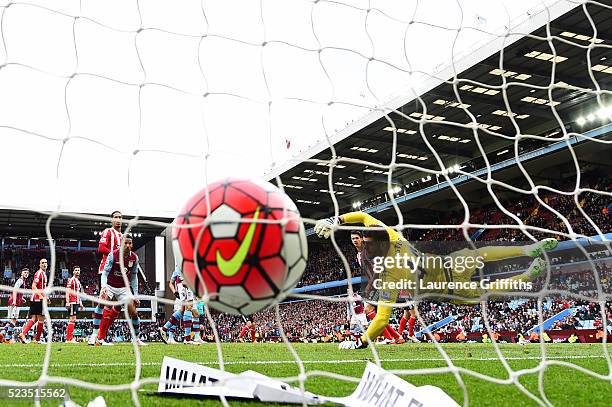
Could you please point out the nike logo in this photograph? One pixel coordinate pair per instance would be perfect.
(231, 266)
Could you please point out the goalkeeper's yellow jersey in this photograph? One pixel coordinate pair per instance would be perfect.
(399, 246)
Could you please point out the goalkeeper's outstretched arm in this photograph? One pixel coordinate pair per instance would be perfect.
(323, 228)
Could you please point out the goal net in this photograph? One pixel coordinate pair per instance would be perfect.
(500, 111)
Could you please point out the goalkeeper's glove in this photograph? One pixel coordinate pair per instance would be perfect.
(177, 295)
(323, 228)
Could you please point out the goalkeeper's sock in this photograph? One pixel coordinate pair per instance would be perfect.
(537, 266)
(402, 325)
(411, 326)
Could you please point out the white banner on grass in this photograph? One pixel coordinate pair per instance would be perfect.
(180, 377)
(379, 388)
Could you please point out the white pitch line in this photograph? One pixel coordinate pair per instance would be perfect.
(284, 362)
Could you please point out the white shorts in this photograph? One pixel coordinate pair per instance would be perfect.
(117, 293)
(13, 312)
(357, 319)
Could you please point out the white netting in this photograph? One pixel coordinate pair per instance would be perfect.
(97, 92)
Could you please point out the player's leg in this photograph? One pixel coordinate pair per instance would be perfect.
(35, 311)
(71, 323)
(408, 318)
(108, 317)
(26, 328)
(98, 315)
(252, 332)
(537, 266)
(243, 332)
(133, 313)
(378, 324)
(109, 314)
(13, 315)
(196, 325)
(187, 323)
(494, 253)
(40, 325)
(167, 331)
(10, 330)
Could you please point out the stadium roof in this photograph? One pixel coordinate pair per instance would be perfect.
(29, 224)
(526, 63)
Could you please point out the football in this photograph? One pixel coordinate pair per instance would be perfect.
(241, 244)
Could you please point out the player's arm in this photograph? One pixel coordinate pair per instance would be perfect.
(105, 242)
(348, 310)
(134, 281)
(81, 291)
(107, 269)
(323, 227)
(14, 294)
(172, 285)
(359, 217)
(68, 293)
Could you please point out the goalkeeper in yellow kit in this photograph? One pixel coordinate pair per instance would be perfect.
(383, 243)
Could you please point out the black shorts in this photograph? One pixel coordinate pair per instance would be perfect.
(36, 308)
(73, 309)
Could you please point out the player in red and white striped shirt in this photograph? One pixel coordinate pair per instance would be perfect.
(110, 240)
(36, 303)
(74, 302)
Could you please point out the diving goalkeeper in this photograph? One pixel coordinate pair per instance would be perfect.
(382, 243)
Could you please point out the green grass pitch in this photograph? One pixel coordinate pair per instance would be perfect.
(563, 385)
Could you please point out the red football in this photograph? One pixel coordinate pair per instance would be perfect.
(242, 242)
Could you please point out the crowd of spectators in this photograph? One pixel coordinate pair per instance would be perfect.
(322, 320)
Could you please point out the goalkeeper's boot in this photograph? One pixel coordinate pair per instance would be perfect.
(536, 249)
(171, 341)
(140, 342)
(163, 335)
(537, 266)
